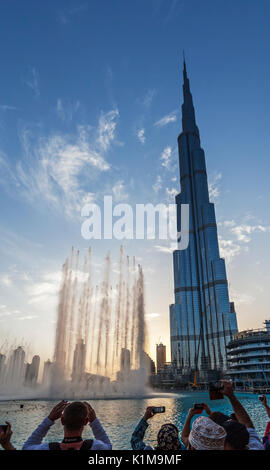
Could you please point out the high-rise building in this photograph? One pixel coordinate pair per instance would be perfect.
(2, 368)
(202, 319)
(78, 369)
(16, 367)
(161, 355)
(125, 360)
(31, 372)
(249, 358)
(47, 373)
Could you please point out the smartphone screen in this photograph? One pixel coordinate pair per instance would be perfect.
(159, 409)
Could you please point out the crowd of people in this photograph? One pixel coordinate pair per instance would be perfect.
(216, 431)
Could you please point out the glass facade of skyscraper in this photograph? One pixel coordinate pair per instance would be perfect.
(202, 319)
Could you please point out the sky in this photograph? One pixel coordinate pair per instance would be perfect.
(90, 103)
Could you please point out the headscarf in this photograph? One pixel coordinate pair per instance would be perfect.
(168, 438)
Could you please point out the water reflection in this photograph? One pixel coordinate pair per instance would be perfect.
(120, 417)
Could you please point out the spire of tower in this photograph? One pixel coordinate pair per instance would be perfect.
(188, 113)
(185, 68)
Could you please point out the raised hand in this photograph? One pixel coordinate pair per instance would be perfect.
(57, 410)
(5, 438)
(227, 388)
(149, 413)
(91, 414)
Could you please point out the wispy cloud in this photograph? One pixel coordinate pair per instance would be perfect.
(166, 119)
(148, 98)
(65, 16)
(158, 184)
(32, 81)
(119, 191)
(242, 297)
(166, 157)
(106, 129)
(5, 280)
(228, 249)
(243, 232)
(151, 316)
(141, 135)
(164, 249)
(171, 193)
(54, 168)
(239, 235)
(174, 9)
(45, 289)
(66, 111)
(27, 317)
(214, 187)
(7, 107)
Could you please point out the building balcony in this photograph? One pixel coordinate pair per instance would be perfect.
(247, 371)
(247, 356)
(260, 365)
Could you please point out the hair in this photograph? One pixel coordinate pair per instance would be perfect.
(219, 418)
(237, 435)
(74, 416)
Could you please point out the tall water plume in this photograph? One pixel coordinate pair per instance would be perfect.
(99, 337)
(109, 333)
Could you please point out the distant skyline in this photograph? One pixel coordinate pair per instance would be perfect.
(90, 96)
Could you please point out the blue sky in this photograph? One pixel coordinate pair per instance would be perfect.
(90, 95)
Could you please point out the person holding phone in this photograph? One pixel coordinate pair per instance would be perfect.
(241, 415)
(167, 438)
(5, 436)
(74, 417)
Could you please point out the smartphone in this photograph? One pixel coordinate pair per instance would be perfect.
(261, 397)
(3, 427)
(198, 406)
(159, 409)
(215, 391)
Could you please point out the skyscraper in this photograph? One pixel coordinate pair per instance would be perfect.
(79, 357)
(202, 319)
(161, 355)
(31, 372)
(16, 367)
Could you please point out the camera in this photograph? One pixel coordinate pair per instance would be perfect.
(215, 391)
(261, 397)
(3, 427)
(159, 409)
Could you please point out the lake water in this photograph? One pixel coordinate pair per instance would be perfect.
(120, 416)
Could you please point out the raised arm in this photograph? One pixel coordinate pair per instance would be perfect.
(34, 442)
(240, 412)
(267, 408)
(137, 437)
(186, 429)
(102, 440)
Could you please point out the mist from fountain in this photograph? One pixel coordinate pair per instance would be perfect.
(99, 337)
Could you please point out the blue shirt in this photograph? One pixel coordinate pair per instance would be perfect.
(34, 442)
